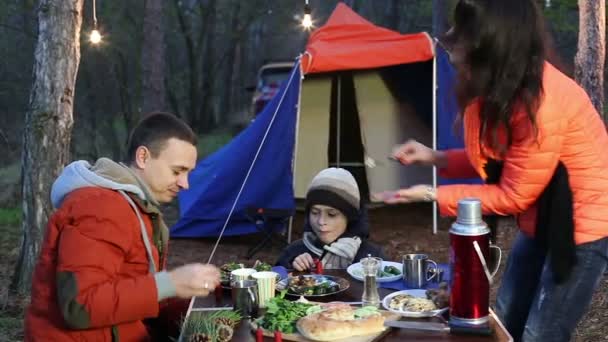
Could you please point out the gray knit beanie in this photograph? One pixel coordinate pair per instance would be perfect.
(337, 188)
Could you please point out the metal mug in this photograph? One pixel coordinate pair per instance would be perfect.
(415, 268)
(245, 297)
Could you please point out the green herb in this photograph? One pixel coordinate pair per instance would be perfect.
(366, 311)
(388, 271)
(262, 266)
(282, 314)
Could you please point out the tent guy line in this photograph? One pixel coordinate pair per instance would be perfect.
(217, 242)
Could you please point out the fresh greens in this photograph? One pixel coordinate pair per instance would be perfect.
(366, 311)
(389, 271)
(262, 266)
(282, 314)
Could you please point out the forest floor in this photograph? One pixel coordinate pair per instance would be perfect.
(399, 229)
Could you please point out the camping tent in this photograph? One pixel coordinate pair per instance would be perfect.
(365, 89)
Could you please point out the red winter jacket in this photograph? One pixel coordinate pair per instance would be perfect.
(92, 279)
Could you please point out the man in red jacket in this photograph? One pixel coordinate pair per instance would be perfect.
(100, 272)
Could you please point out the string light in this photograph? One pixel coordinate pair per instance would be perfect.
(307, 19)
(95, 36)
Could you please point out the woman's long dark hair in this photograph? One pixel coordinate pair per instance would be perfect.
(504, 54)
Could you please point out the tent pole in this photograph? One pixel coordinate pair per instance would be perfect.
(338, 120)
(435, 137)
(295, 147)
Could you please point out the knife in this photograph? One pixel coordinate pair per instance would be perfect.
(440, 327)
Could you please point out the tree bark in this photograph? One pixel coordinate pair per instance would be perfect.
(591, 52)
(225, 107)
(153, 58)
(206, 119)
(439, 17)
(48, 124)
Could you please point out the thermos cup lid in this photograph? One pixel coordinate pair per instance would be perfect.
(469, 221)
(469, 211)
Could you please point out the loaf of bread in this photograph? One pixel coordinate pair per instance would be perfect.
(338, 322)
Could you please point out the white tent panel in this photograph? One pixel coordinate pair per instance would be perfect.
(313, 132)
(385, 124)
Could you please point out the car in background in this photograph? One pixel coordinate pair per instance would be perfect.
(270, 77)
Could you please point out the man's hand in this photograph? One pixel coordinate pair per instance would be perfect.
(303, 262)
(194, 280)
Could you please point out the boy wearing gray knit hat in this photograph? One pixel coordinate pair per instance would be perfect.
(336, 188)
(335, 225)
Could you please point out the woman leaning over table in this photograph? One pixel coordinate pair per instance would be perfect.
(534, 136)
(335, 225)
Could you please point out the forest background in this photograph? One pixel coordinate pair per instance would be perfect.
(194, 58)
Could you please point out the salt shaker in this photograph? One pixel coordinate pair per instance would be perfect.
(370, 266)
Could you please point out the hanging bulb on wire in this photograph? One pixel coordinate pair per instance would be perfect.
(307, 19)
(95, 36)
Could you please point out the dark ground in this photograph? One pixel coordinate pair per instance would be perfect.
(399, 230)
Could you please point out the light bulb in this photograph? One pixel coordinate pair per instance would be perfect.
(307, 21)
(95, 37)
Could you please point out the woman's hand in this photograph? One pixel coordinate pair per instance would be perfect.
(417, 193)
(303, 262)
(413, 152)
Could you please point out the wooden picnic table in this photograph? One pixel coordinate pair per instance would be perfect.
(244, 333)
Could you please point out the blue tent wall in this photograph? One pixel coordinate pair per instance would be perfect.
(216, 180)
(448, 136)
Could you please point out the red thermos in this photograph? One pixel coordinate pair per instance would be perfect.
(469, 250)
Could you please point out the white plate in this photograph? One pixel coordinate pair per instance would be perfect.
(416, 293)
(356, 271)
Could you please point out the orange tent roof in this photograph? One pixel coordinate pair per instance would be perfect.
(347, 42)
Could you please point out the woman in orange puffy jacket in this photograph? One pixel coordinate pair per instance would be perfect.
(534, 136)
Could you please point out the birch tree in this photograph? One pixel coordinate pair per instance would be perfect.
(48, 124)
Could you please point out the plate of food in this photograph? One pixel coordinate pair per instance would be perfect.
(417, 303)
(312, 285)
(305, 321)
(390, 271)
(225, 270)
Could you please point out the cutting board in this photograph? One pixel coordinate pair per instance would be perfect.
(388, 316)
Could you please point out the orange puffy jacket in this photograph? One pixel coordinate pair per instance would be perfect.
(569, 130)
(92, 280)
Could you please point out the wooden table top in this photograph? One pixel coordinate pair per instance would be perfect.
(353, 294)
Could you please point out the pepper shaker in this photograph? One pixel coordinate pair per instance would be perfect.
(370, 266)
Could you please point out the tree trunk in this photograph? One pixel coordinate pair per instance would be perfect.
(591, 52)
(153, 58)
(191, 109)
(206, 119)
(392, 15)
(48, 124)
(225, 109)
(352, 4)
(439, 17)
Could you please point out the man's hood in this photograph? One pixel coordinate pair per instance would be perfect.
(105, 173)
